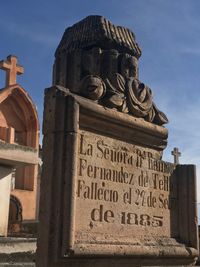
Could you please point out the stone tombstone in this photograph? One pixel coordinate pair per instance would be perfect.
(107, 197)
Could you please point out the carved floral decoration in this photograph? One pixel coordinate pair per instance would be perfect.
(124, 93)
(99, 61)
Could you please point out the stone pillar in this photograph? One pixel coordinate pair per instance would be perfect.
(5, 186)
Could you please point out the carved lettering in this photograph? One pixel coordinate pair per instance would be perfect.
(99, 215)
(97, 172)
(129, 185)
(160, 166)
(114, 155)
(95, 191)
(127, 197)
(143, 179)
(86, 149)
(146, 220)
(160, 182)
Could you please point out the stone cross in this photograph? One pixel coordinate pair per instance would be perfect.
(176, 155)
(12, 69)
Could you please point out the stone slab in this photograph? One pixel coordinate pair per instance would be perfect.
(107, 198)
(17, 155)
(17, 251)
(25, 264)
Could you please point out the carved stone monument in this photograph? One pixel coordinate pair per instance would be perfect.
(107, 198)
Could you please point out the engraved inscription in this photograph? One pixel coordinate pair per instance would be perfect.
(123, 186)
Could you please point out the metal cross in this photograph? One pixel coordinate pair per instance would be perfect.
(12, 69)
(176, 155)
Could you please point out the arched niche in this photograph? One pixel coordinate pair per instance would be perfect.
(15, 210)
(18, 117)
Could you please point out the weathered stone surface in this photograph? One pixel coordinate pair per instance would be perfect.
(19, 264)
(17, 155)
(17, 252)
(107, 197)
(99, 61)
(120, 187)
(5, 184)
(98, 31)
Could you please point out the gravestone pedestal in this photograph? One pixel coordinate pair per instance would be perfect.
(5, 186)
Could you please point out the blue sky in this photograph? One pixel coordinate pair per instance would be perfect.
(167, 31)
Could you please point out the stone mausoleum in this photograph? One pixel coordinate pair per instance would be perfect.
(19, 146)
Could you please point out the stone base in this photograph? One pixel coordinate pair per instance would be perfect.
(26, 264)
(20, 252)
(20, 264)
(17, 251)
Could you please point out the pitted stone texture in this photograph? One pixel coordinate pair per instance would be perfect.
(98, 31)
(107, 197)
(17, 251)
(99, 61)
